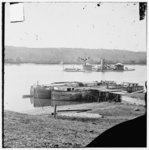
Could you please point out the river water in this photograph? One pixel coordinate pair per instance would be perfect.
(19, 78)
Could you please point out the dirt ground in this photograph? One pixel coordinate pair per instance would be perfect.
(43, 130)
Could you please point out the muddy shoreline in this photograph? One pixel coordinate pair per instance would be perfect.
(40, 129)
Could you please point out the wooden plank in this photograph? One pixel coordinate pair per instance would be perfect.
(80, 110)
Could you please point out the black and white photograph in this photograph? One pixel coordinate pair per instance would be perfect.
(74, 74)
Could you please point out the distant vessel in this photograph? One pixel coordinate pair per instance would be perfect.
(73, 70)
(118, 67)
(86, 67)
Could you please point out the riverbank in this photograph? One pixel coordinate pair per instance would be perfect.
(43, 130)
(77, 63)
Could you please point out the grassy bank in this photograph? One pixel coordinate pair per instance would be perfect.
(22, 130)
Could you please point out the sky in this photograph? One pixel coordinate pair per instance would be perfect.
(78, 25)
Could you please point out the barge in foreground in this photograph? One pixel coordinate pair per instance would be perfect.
(79, 90)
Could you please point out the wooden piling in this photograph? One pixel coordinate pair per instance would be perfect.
(55, 111)
(99, 96)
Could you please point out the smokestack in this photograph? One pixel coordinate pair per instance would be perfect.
(102, 65)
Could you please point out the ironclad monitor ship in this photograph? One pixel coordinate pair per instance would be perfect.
(102, 67)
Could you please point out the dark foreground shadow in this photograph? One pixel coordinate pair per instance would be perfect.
(131, 133)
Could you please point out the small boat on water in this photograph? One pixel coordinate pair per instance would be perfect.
(73, 70)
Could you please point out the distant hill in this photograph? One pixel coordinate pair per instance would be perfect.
(71, 55)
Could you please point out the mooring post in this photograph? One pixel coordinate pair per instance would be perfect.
(55, 111)
(99, 96)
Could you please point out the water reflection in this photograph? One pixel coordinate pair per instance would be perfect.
(18, 80)
(40, 102)
(48, 102)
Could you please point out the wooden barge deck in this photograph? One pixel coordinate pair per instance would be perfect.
(60, 93)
